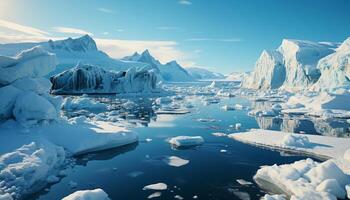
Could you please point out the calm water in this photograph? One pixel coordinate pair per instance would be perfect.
(210, 174)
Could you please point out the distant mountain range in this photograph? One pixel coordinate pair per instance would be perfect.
(84, 50)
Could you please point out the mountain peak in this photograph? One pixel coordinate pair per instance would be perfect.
(81, 44)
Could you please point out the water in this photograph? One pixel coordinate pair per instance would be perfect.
(210, 173)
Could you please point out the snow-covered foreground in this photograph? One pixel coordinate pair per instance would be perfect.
(304, 179)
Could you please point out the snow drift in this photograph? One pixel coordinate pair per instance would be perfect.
(92, 79)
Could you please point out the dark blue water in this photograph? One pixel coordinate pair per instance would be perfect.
(210, 174)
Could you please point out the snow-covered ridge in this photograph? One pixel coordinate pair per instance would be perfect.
(170, 71)
(292, 66)
(71, 51)
(92, 79)
(201, 73)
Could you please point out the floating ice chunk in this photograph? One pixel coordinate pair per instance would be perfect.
(206, 120)
(178, 197)
(243, 182)
(154, 195)
(176, 161)
(304, 179)
(96, 194)
(32, 107)
(70, 103)
(24, 170)
(347, 188)
(223, 150)
(238, 126)
(239, 106)
(184, 141)
(156, 186)
(274, 197)
(295, 140)
(148, 140)
(228, 108)
(8, 96)
(331, 186)
(219, 134)
(195, 197)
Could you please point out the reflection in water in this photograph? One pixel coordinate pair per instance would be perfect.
(105, 154)
(301, 124)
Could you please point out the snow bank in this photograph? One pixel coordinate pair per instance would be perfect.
(27, 169)
(8, 96)
(185, 141)
(96, 194)
(32, 108)
(34, 62)
(92, 79)
(305, 179)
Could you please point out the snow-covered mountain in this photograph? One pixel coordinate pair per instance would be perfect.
(70, 51)
(292, 66)
(236, 76)
(171, 71)
(201, 73)
(335, 69)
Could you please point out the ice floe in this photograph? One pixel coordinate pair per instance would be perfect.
(156, 186)
(185, 141)
(96, 194)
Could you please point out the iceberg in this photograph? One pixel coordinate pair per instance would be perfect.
(88, 79)
(185, 141)
(335, 69)
(96, 194)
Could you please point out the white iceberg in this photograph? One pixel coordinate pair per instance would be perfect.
(185, 141)
(96, 194)
(176, 161)
(156, 186)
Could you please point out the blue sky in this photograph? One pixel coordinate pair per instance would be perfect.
(221, 35)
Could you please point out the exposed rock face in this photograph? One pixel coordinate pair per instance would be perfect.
(93, 79)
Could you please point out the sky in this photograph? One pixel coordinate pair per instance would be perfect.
(220, 35)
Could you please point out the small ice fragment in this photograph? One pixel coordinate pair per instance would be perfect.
(148, 139)
(228, 108)
(219, 134)
(178, 197)
(154, 195)
(176, 161)
(223, 150)
(135, 174)
(244, 182)
(195, 197)
(238, 126)
(156, 186)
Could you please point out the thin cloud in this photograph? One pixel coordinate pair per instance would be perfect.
(22, 28)
(105, 10)
(70, 30)
(214, 39)
(165, 51)
(185, 2)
